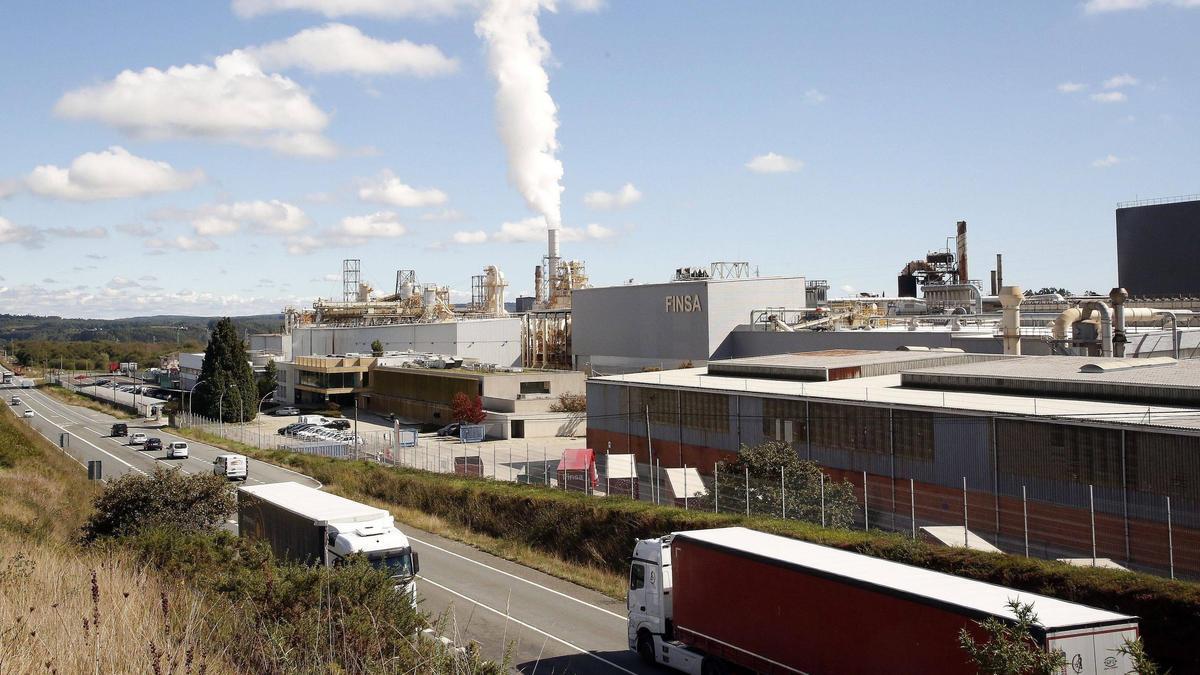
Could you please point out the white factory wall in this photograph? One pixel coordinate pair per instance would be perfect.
(627, 328)
(488, 340)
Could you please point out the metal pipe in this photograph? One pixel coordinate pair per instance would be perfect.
(1106, 335)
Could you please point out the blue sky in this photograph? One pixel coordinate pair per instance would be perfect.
(882, 124)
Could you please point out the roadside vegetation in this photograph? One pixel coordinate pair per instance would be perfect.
(79, 400)
(138, 576)
(588, 540)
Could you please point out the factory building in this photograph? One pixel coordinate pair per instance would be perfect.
(1036, 438)
(486, 340)
(678, 323)
(1157, 248)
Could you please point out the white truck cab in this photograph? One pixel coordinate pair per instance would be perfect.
(384, 546)
(649, 603)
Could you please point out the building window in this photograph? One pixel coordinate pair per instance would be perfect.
(535, 387)
(783, 420)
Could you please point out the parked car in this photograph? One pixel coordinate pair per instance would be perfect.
(153, 444)
(232, 467)
(177, 450)
(337, 424)
(285, 410)
(120, 430)
(28, 412)
(450, 429)
(138, 438)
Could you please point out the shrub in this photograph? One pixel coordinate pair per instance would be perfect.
(165, 498)
(1010, 648)
(570, 403)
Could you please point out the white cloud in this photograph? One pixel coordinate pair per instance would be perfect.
(269, 217)
(332, 276)
(111, 174)
(11, 233)
(1106, 162)
(1109, 97)
(9, 187)
(232, 100)
(109, 301)
(122, 282)
(382, 224)
(139, 229)
(1118, 81)
(181, 243)
(443, 216)
(815, 96)
(599, 199)
(476, 237)
(534, 229)
(303, 245)
(338, 48)
(773, 163)
(1070, 87)
(388, 189)
(1103, 6)
(383, 9)
(77, 232)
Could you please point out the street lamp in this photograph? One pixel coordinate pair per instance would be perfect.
(221, 409)
(192, 396)
(259, 424)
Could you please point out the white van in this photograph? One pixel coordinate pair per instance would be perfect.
(313, 419)
(177, 450)
(232, 467)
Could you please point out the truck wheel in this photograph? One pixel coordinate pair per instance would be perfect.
(645, 649)
(712, 666)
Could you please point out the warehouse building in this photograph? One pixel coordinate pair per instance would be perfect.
(486, 340)
(684, 322)
(1029, 442)
(1157, 247)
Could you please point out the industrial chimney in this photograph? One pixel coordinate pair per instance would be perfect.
(961, 240)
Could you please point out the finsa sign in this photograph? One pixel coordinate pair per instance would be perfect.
(683, 303)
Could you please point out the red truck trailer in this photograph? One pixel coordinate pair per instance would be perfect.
(713, 601)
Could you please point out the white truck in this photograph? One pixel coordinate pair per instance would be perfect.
(308, 525)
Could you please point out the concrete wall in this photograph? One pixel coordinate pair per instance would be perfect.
(624, 328)
(488, 340)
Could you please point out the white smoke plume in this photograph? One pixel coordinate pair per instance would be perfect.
(526, 114)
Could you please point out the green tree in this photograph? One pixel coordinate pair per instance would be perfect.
(166, 498)
(1009, 648)
(269, 381)
(1142, 663)
(229, 389)
(775, 470)
(376, 348)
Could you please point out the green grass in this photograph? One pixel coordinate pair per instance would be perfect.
(72, 398)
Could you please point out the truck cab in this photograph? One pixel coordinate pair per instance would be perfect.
(649, 603)
(384, 546)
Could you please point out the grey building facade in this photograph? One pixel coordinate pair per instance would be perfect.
(672, 324)
(495, 341)
(1158, 246)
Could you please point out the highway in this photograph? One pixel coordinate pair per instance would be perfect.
(89, 439)
(554, 626)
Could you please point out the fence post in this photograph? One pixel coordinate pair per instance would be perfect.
(658, 481)
(608, 470)
(545, 465)
(1170, 540)
(1092, 513)
(966, 536)
(747, 490)
(716, 487)
(783, 490)
(866, 510)
(1025, 517)
(912, 505)
(822, 499)
(685, 490)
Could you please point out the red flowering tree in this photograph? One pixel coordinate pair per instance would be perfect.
(464, 409)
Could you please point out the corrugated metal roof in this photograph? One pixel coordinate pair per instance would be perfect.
(969, 594)
(321, 507)
(833, 364)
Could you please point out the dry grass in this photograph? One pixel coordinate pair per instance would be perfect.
(79, 400)
(69, 612)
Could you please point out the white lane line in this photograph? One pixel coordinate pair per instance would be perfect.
(585, 603)
(85, 441)
(535, 629)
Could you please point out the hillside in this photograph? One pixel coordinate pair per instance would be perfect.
(165, 328)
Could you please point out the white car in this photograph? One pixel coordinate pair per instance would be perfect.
(28, 412)
(177, 450)
(137, 439)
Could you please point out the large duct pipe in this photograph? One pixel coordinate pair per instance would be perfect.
(961, 241)
(552, 259)
(1117, 297)
(1106, 337)
(1010, 320)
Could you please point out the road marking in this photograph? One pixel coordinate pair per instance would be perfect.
(509, 617)
(85, 441)
(531, 583)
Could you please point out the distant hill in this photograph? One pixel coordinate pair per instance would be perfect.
(163, 328)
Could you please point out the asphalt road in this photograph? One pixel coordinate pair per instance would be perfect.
(89, 439)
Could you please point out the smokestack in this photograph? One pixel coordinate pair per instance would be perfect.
(999, 270)
(963, 277)
(539, 296)
(995, 288)
(552, 256)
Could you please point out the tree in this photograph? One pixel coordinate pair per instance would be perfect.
(1049, 290)
(1009, 648)
(1136, 651)
(775, 470)
(167, 498)
(228, 388)
(570, 403)
(467, 410)
(376, 348)
(269, 381)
